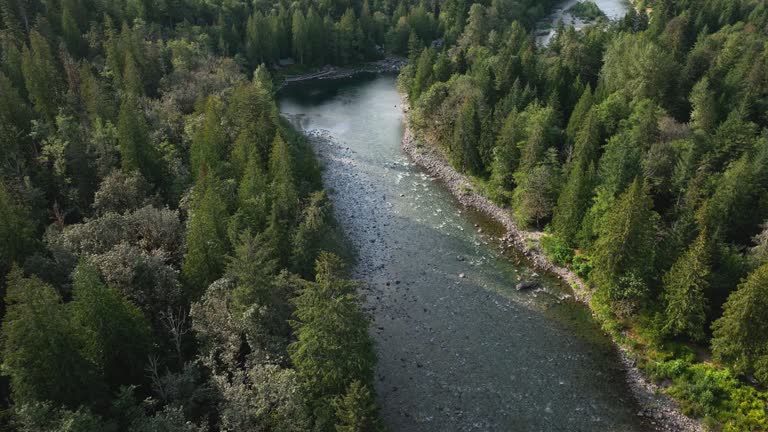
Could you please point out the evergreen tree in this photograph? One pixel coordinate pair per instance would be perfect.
(704, 114)
(210, 143)
(740, 336)
(16, 231)
(136, 151)
(312, 235)
(116, 335)
(685, 286)
(575, 197)
(285, 200)
(332, 347)
(131, 77)
(466, 133)
(300, 37)
(207, 243)
(357, 410)
(423, 76)
(624, 251)
(580, 111)
(42, 349)
(42, 76)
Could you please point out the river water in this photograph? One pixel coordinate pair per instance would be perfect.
(545, 29)
(455, 353)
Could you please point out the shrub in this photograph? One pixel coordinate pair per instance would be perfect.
(556, 249)
(581, 265)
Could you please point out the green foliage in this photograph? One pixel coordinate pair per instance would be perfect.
(357, 410)
(557, 250)
(685, 286)
(332, 349)
(586, 10)
(623, 255)
(740, 335)
(210, 143)
(43, 349)
(119, 346)
(42, 75)
(136, 150)
(207, 242)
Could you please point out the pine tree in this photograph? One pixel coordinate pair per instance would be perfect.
(466, 133)
(253, 197)
(16, 234)
(131, 77)
(624, 251)
(285, 199)
(116, 334)
(575, 197)
(357, 410)
(207, 243)
(210, 143)
(299, 32)
(684, 288)
(136, 151)
(580, 111)
(704, 113)
(312, 235)
(507, 153)
(332, 347)
(42, 348)
(42, 76)
(253, 113)
(740, 336)
(423, 77)
(573, 202)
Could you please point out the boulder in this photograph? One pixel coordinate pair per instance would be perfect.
(526, 285)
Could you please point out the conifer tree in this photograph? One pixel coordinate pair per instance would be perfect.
(741, 335)
(357, 410)
(423, 76)
(210, 143)
(285, 199)
(136, 151)
(16, 234)
(131, 77)
(466, 133)
(332, 347)
(42, 349)
(116, 334)
(207, 243)
(580, 111)
(42, 76)
(625, 248)
(685, 286)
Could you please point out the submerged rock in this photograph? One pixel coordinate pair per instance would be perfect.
(526, 285)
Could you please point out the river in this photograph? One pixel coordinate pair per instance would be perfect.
(545, 29)
(459, 349)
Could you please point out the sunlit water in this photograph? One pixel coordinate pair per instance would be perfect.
(613, 10)
(455, 354)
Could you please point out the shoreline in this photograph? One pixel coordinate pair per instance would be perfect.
(386, 65)
(659, 409)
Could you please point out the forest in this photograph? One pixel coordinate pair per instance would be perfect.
(170, 260)
(640, 148)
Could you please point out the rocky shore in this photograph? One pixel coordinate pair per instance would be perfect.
(661, 410)
(387, 65)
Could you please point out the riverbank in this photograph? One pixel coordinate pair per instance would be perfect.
(662, 410)
(387, 65)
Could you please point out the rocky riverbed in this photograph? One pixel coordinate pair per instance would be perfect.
(459, 347)
(662, 411)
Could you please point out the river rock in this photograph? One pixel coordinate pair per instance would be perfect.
(526, 285)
